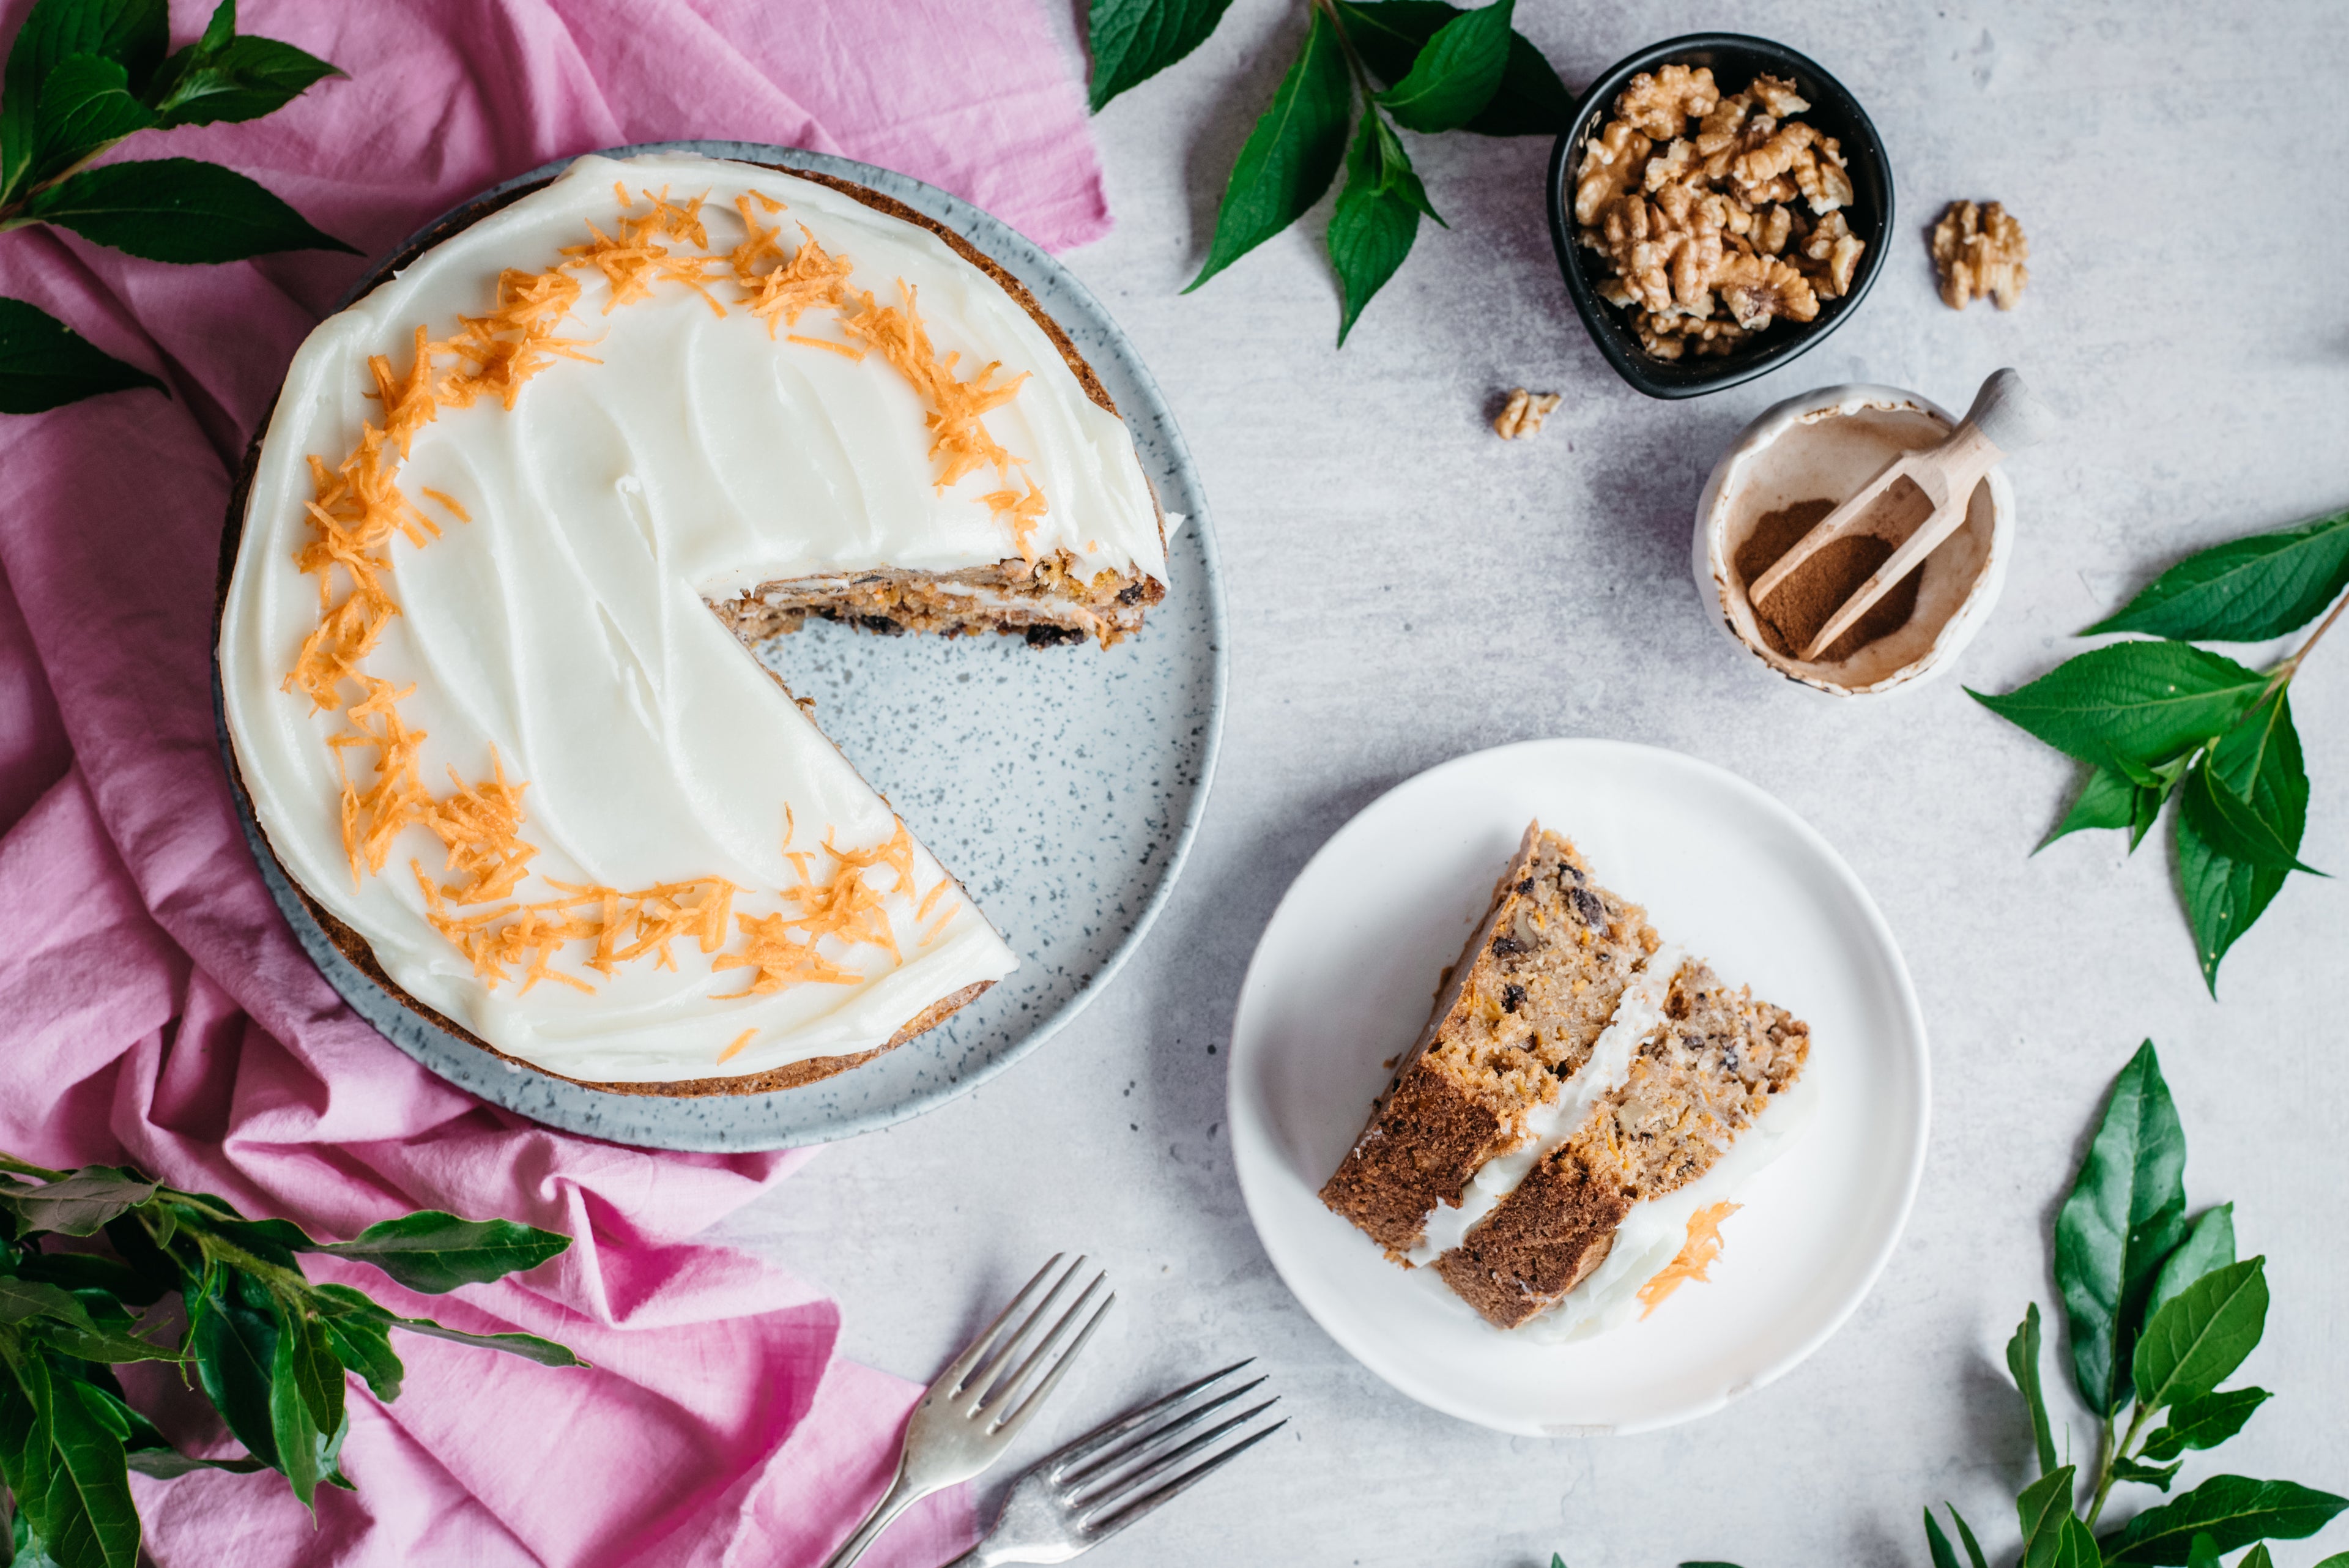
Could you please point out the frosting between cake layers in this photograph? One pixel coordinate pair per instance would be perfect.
(561, 633)
(1639, 1013)
(1653, 1232)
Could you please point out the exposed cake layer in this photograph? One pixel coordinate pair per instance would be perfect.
(1517, 1016)
(1046, 602)
(475, 692)
(1703, 1077)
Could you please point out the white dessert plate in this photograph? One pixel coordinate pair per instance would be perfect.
(1341, 984)
(1062, 784)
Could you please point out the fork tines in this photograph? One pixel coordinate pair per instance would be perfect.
(1115, 1474)
(984, 1379)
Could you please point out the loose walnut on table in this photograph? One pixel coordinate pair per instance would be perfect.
(1980, 252)
(1715, 215)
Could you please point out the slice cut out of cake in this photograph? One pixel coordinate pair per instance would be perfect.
(1578, 1074)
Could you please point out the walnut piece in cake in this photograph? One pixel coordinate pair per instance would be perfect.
(1979, 251)
(1714, 216)
(1523, 413)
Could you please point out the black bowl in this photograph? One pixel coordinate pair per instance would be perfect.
(1735, 59)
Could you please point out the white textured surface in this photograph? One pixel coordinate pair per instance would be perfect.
(2172, 171)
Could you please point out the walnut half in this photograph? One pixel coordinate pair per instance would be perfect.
(1980, 252)
(1523, 413)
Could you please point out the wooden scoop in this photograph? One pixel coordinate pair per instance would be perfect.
(1929, 488)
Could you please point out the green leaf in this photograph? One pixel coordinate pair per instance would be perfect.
(131, 33)
(1134, 40)
(1965, 1534)
(1377, 217)
(294, 1421)
(2138, 704)
(340, 1305)
(2231, 1510)
(2108, 800)
(88, 1517)
(85, 107)
(436, 1252)
(2075, 1545)
(2125, 1214)
(1457, 74)
(2202, 1553)
(222, 77)
(2233, 827)
(2223, 898)
(21, 1299)
(233, 1332)
(2259, 760)
(88, 1270)
(1389, 35)
(110, 1346)
(177, 210)
(2130, 1469)
(163, 1464)
(45, 364)
(529, 1346)
(1292, 154)
(2043, 1507)
(2210, 1244)
(2201, 1335)
(2246, 590)
(2205, 1422)
(363, 1346)
(82, 1203)
(2022, 1361)
(2257, 1557)
(1944, 1555)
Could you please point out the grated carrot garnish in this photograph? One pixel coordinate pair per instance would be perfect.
(447, 501)
(735, 1049)
(1695, 1257)
(847, 351)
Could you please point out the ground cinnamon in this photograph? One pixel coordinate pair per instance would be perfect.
(1800, 606)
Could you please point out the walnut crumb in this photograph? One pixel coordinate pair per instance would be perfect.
(1980, 252)
(1714, 216)
(1524, 414)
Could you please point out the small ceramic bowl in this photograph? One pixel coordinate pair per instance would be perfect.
(1781, 458)
(1734, 59)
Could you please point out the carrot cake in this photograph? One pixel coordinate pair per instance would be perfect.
(515, 516)
(1559, 1141)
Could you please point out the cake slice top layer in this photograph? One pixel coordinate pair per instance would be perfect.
(1516, 1017)
(516, 751)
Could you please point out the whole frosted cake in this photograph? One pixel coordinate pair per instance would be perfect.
(1560, 1144)
(514, 516)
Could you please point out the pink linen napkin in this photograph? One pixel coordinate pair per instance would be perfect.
(156, 1008)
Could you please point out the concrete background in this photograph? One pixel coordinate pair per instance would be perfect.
(1405, 588)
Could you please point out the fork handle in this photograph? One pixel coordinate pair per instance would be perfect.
(902, 1495)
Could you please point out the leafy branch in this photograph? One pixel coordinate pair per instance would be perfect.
(2154, 719)
(83, 75)
(1443, 69)
(269, 1349)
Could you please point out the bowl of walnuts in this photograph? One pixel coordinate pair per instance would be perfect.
(1719, 204)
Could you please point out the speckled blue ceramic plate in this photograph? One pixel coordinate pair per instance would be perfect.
(1063, 786)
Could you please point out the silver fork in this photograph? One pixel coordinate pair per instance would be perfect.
(1075, 1500)
(968, 1417)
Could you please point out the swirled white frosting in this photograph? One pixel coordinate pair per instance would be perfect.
(566, 624)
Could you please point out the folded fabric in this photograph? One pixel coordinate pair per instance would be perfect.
(159, 1011)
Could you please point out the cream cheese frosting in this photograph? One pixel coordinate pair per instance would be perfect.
(557, 628)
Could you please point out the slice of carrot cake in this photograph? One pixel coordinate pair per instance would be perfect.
(1516, 1185)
